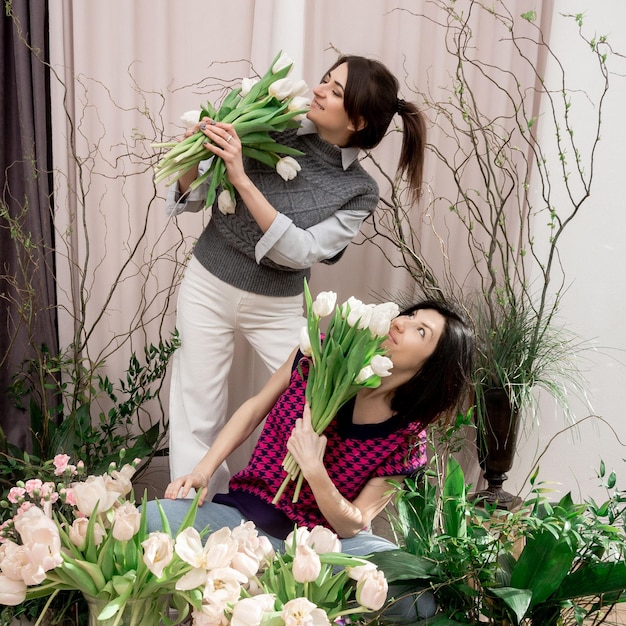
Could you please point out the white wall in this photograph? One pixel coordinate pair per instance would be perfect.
(594, 257)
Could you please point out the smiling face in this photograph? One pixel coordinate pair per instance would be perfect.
(327, 111)
(412, 340)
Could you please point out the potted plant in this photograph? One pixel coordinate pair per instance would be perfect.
(543, 564)
(511, 175)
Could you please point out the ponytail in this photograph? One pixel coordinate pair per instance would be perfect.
(411, 163)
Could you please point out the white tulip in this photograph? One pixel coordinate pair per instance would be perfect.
(324, 303)
(246, 85)
(298, 89)
(305, 342)
(190, 118)
(281, 89)
(284, 60)
(225, 203)
(366, 373)
(288, 168)
(381, 365)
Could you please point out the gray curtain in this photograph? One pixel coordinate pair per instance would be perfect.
(27, 289)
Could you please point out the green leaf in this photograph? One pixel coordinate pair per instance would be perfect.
(517, 600)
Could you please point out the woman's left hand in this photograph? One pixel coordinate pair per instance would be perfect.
(225, 143)
(305, 445)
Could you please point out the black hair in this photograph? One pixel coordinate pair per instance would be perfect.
(371, 96)
(440, 384)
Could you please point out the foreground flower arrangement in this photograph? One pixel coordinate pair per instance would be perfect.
(84, 533)
(347, 358)
(271, 104)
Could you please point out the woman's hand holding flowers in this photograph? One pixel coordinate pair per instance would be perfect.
(306, 446)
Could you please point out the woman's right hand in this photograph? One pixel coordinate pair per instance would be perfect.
(183, 485)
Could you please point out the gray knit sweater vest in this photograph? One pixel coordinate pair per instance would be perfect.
(321, 188)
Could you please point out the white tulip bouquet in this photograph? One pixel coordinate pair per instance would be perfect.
(85, 534)
(348, 358)
(273, 103)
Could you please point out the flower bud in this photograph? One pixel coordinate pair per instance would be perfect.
(371, 590)
(284, 60)
(306, 565)
(190, 118)
(288, 168)
(324, 303)
(246, 85)
(381, 365)
(225, 203)
(305, 342)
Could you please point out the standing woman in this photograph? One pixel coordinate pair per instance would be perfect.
(248, 267)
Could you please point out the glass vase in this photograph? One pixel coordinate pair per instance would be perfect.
(136, 612)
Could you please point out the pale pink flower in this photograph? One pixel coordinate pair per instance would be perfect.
(119, 481)
(223, 586)
(250, 611)
(302, 612)
(34, 527)
(158, 551)
(93, 491)
(33, 487)
(24, 507)
(12, 591)
(209, 615)
(306, 565)
(371, 590)
(358, 571)
(250, 542)
(126, 522)
(323, 540)
(61, 463)
(78, 533)
(16, 495)
(300, 535)
(67, 495)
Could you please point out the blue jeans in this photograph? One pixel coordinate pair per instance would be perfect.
(420, 604)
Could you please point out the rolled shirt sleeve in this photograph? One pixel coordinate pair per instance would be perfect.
(286, 244)
(192, 200)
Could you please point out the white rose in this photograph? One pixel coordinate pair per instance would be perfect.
(288, 168)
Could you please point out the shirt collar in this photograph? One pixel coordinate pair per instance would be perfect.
(348, 155)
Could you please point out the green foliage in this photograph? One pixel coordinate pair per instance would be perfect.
(544, 564)
(73, 425)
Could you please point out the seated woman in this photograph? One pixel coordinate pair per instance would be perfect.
(378, 436)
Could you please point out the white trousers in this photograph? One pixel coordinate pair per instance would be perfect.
(209, 313)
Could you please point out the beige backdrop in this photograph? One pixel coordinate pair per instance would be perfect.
(131, 69)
